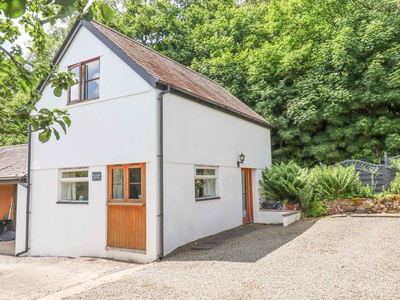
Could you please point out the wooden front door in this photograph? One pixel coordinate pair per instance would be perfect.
(126, 206)
(247, 196)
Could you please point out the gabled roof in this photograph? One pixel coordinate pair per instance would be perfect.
(160, 71)
(13, 162)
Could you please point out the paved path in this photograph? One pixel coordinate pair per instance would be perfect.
(342, 258)
(56, 277)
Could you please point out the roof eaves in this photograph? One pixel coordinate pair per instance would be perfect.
(11, 179)
(121, 54)
(210, 103)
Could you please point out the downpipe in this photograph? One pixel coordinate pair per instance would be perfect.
(28, 195)
(160, 98)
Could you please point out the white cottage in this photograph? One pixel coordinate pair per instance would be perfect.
(151, 159)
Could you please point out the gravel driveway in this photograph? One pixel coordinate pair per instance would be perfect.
(341, 258)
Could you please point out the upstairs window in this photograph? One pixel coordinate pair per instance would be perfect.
(88, 75)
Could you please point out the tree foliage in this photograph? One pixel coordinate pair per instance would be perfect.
(21, 73)
(325, 73)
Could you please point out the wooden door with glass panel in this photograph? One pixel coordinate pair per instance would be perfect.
(126, 206)
(247, 195)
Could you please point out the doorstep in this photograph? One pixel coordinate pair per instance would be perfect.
(275, 216)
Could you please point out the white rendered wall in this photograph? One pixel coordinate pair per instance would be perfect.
(20, 228)
(196, 135)
(118, 128)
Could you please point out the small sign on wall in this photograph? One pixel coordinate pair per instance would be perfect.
(96, 176)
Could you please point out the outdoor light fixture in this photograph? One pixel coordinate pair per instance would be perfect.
(241, 159)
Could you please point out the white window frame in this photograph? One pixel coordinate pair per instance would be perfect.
(196, 177)
(72, 179)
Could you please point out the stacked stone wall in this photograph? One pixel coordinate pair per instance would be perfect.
(391, 204)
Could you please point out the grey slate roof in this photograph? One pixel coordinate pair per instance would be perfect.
(160, 71)
(13, 162)
(167, 71)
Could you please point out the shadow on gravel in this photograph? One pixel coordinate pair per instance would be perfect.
(249, 247)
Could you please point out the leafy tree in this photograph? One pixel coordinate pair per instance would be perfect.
(19, 76)
(324, 72)
(340, 100)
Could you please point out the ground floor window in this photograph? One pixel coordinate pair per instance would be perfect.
(205, 182)
(74, 185)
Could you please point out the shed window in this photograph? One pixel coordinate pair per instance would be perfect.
(88, 75)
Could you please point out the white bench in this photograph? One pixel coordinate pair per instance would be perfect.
(274, 216)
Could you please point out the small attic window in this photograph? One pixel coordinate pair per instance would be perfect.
(88, 75)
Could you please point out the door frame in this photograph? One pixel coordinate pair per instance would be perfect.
(249, 194)
(127, 228)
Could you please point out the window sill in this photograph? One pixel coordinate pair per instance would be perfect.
(72, 202)
(207, 198)
(81, 101)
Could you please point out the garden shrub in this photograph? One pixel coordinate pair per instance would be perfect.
(316, 209)
(394, 187)
(283, 182)
(335, 181)
(306, 195)
(365, 191)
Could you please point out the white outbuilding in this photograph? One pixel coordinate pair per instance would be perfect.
(157, 155)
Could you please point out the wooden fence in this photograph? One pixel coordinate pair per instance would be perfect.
(378, 175)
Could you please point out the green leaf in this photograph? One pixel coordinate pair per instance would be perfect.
(64, 2)
(62, 124)
(89, 15)
(35, 124)
(45, 135)
(46, 111)
(31, 107)
(106, 12)
(57, 92)
(56, 134)
(13, 8)
(65, 11)
(67, 120)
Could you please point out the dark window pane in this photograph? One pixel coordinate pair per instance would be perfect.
(135, 191)
(92, 89)
(82, 190)
(134, 175)
(118, 184)
(93, 70)
(205, 188)
(205, 172)
(75, 191)
(75, 174)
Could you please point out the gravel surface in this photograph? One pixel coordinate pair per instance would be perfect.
(341, 258)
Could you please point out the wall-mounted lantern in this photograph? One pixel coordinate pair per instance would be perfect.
(241, 159)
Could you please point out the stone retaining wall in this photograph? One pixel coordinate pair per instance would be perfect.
(391, 204)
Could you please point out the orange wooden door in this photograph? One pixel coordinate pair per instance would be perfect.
(126, 226)
(126, 207)
(247, 195)
(6, 198)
